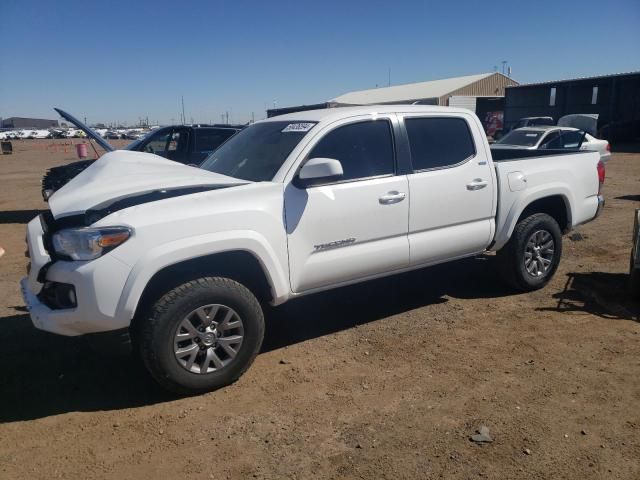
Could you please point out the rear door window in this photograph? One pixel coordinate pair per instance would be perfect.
(365, 149)
(439, 142)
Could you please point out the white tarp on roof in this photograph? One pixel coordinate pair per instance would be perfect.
(409, 91)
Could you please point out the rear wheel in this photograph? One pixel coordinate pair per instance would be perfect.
(532, 255)
(201, 335)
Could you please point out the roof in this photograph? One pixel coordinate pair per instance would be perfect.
(330, 114)
(410, 91)
(595, 77)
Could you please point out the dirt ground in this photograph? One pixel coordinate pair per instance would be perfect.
(383, 380)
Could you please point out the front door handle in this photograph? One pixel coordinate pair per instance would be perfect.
(392, 197)
(477, 184)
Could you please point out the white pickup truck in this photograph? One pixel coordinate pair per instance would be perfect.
(184, 257)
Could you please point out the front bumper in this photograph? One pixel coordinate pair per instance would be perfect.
(62, 322)
(98, 287)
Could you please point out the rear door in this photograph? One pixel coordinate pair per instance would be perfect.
(355, 227)
(452, 188)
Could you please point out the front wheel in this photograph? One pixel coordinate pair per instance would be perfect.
(201, 335)
(532, 255)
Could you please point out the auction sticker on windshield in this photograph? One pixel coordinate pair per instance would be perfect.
(298, 127)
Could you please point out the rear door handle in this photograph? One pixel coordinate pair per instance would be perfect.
(392, 197)
(477, 184)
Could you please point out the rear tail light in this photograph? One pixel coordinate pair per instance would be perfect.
(608, 147)
(601, 175)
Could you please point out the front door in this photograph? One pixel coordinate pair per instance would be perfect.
(357, 226)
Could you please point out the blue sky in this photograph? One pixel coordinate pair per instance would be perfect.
(119, 61)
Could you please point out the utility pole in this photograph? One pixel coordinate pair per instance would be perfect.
(184, 119)
(253, 118)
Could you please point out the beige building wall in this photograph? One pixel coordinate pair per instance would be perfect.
(492, 86)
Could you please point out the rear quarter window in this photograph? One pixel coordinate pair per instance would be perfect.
(439, 142)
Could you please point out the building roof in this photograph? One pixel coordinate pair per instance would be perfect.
(594, 77)
(410, 91)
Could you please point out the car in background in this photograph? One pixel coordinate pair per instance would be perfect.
(187, 144)
(551, 137)
(495, 128)
(112, 135)
(533, 122)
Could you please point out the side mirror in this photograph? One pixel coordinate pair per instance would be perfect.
(317, 171)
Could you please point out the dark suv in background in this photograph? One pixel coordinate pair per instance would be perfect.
(188, 144)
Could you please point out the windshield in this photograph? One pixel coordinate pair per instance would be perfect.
(257, 152)
(521, 138)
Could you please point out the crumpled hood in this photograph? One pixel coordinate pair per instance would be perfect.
(121, 174)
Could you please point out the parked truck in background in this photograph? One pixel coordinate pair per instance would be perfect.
(185, 258)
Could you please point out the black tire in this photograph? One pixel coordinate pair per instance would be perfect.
(511, 258)
(159, 325)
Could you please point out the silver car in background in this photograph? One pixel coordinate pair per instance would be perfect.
(552, 137)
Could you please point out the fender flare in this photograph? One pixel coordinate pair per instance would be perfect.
(533, 195)
(190, 248)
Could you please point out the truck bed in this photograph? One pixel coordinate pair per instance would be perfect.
(510, 154)
(569, 176)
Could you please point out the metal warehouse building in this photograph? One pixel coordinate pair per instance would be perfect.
(467, 92)
(434, 92)
(21, 122)
(615, 98)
